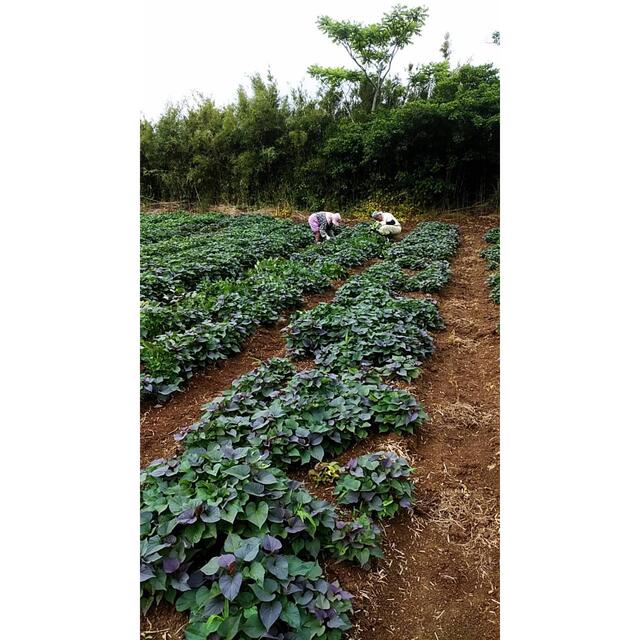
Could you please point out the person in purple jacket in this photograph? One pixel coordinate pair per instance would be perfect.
(323, 224)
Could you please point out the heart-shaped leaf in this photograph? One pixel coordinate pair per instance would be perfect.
(269, 613)
(230, 585)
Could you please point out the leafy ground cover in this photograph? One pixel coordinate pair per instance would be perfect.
(226, 535)
(369, 326)
(375, 485)
(171, 268)
(213, 321)
(303, 417)
(492, 255)
(157, 227)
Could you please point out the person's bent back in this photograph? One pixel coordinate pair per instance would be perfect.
(323, 224)
(388, 225)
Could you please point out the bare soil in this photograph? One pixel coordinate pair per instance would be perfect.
(439, 579)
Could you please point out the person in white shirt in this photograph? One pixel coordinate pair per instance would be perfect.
(387, 223)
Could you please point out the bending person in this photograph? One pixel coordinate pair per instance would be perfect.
(323, 224)
(387, 223)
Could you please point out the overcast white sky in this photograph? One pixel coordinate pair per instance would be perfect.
(212, 47)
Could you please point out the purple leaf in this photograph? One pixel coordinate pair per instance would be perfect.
(322, 586)
(334, 621)
(146, 572)
(278, 566)
(213, 607)
(230, 585)
(187, 517)
(196, 579)
(269, 613)
(226, 560)
(296, 526)
(159, 471)
(271, 544)
(170, 564)
(405, 502)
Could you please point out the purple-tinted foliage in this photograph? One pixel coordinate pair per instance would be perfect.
(197, 579)
(322, 586)
(265, 477)
(170, 564)
(158, 472)
(146, 572)
(230, 585)
(188, 516)
(296, 526)
(226, 560)
(271, 544)
(278, 566)
(269, 613)
(334, 621)
(213, 607)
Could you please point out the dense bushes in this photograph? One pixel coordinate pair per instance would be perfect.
(433, 141)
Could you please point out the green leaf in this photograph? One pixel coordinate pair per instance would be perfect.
(229, 628)
(194, 532)
(252, 627)
(256, 571)
(211, 567)
(297, 567)
(257, 515)
(291, 615)
(186, 601)
(240, 471)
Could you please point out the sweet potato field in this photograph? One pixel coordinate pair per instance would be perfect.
(288, 506)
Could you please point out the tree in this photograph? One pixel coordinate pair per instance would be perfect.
(495, 37)
(445, 49)
(372, 48)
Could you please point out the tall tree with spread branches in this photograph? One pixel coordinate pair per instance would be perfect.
(372, 48)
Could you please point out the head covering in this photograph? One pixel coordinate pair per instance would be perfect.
(334, 218)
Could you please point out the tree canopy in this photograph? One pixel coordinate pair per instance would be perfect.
(371, 47)
(429, 140)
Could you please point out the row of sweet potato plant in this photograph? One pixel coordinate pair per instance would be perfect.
(228, 537)
(212, 322)
(492, 256)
